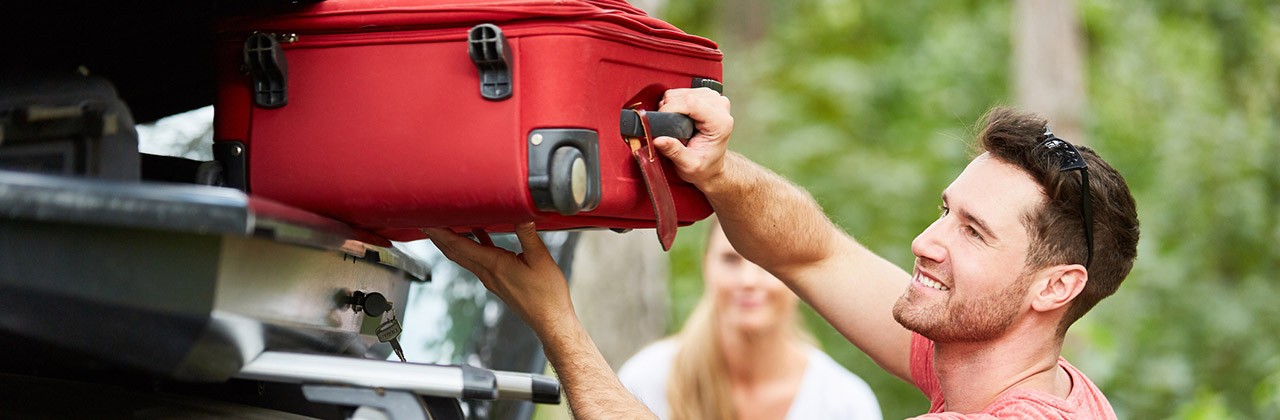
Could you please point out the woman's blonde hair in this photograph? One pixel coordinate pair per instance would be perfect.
(698, 384)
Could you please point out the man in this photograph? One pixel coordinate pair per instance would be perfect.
(1032, 234)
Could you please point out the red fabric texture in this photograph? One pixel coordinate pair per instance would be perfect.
(385, 128)
(1084, 402)
(367, 15)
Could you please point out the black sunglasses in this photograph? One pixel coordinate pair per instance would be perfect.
(1070, 159)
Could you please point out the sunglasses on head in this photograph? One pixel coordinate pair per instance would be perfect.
(1070, 159)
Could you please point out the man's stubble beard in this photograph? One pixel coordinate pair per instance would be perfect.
(978, 320)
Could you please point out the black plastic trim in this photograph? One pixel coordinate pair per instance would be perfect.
(234, 157)
(478, 383)
(545, 390)
(668, 124)
(491, 54)
(265, 61)
(543, 144)
(708, 83)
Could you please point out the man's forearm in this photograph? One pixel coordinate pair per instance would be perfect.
(780, 227)
(769, 220)
(594, 392)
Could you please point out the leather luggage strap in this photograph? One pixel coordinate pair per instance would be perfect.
(482, 236)
(664, 205)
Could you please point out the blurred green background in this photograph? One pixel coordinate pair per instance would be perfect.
(870, 106)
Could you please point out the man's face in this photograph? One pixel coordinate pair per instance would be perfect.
(968, 282)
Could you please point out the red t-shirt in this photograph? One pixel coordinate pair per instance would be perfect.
(1084, 402)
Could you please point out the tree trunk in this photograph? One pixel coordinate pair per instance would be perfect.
(619, 289)
(744, 23)
(1048, 53)
(652, 7)
(619, 284)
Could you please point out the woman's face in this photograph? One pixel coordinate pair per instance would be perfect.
(748, 298)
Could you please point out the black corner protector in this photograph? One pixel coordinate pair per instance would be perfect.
(234, 159)
(478, 383)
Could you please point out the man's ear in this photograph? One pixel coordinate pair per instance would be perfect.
(1060, 285)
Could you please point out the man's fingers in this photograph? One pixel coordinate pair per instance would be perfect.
(693, 102)
(470, 255)
(457, 258)
(447, 238)
(672, 149)
(530, 243)
(673, 102)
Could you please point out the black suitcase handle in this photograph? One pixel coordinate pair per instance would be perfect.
(668, 124)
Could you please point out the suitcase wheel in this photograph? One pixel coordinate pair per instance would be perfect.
(564, 170)
(568, 180)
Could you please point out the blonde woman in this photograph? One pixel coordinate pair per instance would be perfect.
(743, 355)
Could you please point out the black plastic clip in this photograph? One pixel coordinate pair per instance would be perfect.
(492, 56)
(264, 59)
(708, 83)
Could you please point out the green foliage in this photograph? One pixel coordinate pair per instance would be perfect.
(870, 105)
(1185, 97)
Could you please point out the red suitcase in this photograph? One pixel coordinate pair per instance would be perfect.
(397, 115)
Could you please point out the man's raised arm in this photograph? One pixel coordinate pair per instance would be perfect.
(779, 226)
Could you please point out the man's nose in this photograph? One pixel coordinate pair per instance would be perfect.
(928, 244)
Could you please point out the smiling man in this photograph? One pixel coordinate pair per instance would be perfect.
(1031, 235)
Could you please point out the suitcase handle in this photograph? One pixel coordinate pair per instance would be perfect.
(667, 124)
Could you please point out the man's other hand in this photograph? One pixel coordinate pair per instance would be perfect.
(530, 282)
(703, 158)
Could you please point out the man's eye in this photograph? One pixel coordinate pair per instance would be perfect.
(972, 232)
(943, 211)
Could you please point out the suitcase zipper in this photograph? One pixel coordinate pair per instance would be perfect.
(322, 39)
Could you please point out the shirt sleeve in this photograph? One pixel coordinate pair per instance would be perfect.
(1022, 404)
(1011, 410)
(958, 416)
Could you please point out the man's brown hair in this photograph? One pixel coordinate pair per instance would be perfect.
(1056, 227)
